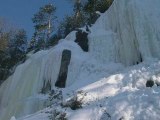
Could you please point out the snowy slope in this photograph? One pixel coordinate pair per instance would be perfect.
(121, 95)
(111, 85)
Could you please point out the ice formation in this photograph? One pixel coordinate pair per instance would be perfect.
(19, 94)
(127, 33)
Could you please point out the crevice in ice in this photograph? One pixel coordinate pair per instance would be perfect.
(65, 61)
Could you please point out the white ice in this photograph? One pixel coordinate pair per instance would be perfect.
(122, 37)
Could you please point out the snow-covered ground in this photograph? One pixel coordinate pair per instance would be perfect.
(122, 95)
(108, 82)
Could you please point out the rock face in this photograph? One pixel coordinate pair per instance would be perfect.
(149, 83)
(62, 77)
(82, 40)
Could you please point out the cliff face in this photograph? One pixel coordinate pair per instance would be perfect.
(127, 34)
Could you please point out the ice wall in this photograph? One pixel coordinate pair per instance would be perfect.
(128, 32)
(20, 94)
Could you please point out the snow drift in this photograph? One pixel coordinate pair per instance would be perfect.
(127, 34)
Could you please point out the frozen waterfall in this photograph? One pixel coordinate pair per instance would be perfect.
(19, 94)
(127, 33)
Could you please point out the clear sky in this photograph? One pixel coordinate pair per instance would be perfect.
(20, 12)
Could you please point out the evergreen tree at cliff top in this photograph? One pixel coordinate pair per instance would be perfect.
(44, 25)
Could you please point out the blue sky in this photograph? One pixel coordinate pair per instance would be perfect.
(20, 12)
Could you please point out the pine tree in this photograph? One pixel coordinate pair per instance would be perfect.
(91, 6)
(44, 24)
(74, 21)
(103, 5)
(67, 25)
(21, 40)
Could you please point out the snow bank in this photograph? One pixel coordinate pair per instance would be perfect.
(13, 118)
(122, 95)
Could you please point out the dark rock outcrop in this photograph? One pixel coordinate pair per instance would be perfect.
(65, 61)
(149, 83)
(46, 87)
(82, 40)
